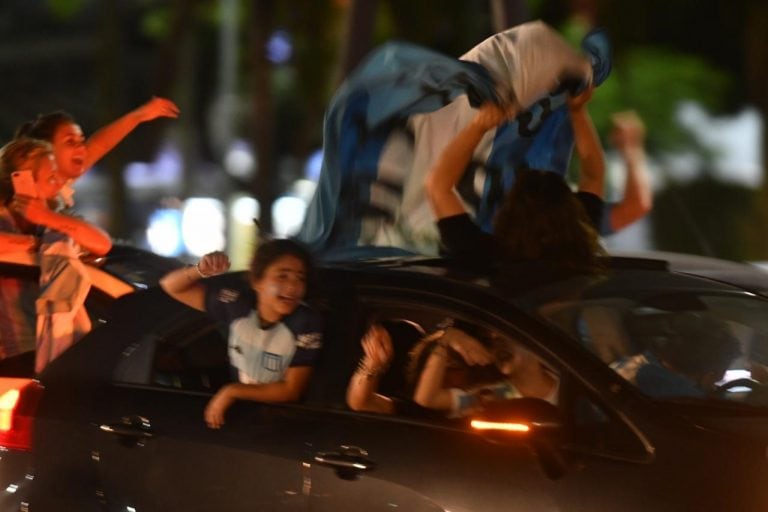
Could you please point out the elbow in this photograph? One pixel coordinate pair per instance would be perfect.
(424, 399)
(292, 396)
(430, 187)
(356, 403)
(101, 247)
(645, 205)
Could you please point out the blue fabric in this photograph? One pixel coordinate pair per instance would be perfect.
(397, 81)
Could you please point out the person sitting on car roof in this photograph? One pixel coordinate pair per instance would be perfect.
(541, 223)
(521, 374)
(274, 337)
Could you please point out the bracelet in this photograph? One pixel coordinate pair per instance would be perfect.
(200, 272)
(368, 372)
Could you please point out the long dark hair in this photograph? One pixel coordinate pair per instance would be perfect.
(541, 219)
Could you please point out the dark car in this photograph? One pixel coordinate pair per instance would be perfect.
(117, 421)
(123, 271)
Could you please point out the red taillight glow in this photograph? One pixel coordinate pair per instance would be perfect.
(500, 425)
(18, 402)
(7, 404)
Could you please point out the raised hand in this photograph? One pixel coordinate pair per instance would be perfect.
(471, 350)
(213, 263)
(157, 107)
(377, 345)
(628, 131)
(578, 101)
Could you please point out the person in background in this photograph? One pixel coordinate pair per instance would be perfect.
(628, 137)
(74, 153)
(60, 240)
(274, 338)
(686, 354)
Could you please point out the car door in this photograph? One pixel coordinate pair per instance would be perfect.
(384, 462)
(122, 423)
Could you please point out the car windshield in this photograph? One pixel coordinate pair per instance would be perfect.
(672, 337)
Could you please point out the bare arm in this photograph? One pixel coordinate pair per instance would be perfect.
(106, 138)
(430, 392)
(91, 238)
(183, 284)
(289, 389)
(441, 180)
(362, 389)
(13, 242)
(628, 135)
(588, 147)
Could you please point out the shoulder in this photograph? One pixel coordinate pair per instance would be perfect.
(304, 319)
(227, 300)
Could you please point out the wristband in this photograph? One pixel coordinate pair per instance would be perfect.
(200, 272)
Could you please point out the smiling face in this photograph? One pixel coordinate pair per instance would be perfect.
(69, 147)
(281, 288)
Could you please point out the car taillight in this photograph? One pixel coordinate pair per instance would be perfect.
(18, 403)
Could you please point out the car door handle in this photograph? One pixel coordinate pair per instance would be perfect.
(349, 461)
(132, 430)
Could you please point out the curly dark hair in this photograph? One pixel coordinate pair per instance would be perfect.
(541, 219)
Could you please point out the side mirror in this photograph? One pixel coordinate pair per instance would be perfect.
(532, 420)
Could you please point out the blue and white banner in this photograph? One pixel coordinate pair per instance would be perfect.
(389, 121)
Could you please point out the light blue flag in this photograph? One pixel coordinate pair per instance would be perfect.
(388, 122)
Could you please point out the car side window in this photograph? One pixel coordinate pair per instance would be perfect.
(594, 428)
(191, 357)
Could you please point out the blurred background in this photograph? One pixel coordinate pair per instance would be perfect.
(253, 77)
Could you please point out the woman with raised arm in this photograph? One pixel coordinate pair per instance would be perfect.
(74, 153)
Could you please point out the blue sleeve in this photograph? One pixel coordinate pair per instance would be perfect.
(307, 326)
(226, 301)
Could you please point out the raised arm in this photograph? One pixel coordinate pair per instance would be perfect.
(362, 389)
(440, 183)
(13, 242)
(588, 147)
(91, 238)
(430, 392)
(628, 136)
(106, 138)
(184, 285)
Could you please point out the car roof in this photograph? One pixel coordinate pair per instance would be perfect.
(124, 270)
(747, 276)
(628, 270)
